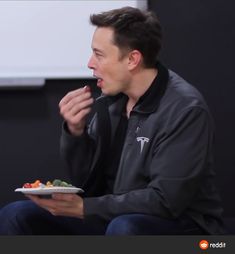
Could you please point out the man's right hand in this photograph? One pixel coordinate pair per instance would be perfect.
(74, 107)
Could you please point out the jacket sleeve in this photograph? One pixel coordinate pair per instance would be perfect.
(181, 160)
(78, 153)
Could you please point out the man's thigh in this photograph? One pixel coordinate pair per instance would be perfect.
(141, 224)
(26, 218)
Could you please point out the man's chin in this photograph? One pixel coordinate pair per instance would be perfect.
(108, 93)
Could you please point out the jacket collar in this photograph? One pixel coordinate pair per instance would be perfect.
(150, 100)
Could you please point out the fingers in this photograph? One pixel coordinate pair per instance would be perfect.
(55, 207)
(79, 94)
(64, 197)
(75, 119)
(61, 204)
(75, 106)
(57, 199)
(74, 94)
(45, 203)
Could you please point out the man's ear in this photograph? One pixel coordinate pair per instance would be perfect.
(134, 59)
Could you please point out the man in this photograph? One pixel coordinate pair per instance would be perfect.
(145, 159)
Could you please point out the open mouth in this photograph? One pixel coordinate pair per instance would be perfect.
(99, 81)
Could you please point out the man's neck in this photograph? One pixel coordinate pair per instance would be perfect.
(140, 83)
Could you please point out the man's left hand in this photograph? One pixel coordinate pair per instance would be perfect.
(61, 204)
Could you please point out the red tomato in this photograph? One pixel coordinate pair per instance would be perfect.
(27, 185)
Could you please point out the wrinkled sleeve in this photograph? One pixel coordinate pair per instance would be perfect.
(78, 153)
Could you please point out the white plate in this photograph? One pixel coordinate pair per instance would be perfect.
(49, 190)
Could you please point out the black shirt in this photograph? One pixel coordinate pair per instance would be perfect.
(114, 154)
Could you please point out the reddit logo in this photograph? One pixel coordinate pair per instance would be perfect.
(203, 244)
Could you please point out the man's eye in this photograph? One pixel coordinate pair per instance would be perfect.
(98, 54)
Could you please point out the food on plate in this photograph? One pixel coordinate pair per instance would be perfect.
(54, 183)
(60, 183)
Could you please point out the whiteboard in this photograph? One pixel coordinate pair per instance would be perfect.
(49, 39)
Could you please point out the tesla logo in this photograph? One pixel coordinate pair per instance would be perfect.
(142, 141)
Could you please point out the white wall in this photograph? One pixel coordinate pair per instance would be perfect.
(49, 39)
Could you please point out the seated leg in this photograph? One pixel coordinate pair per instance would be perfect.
(141, 224)
(26, 218)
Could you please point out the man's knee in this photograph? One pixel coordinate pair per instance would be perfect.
(11, 210)
(122, 225)
(13, 214)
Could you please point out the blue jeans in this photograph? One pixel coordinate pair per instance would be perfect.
(26, 218)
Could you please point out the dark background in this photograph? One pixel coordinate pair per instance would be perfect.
(199, 39)
(199, 45)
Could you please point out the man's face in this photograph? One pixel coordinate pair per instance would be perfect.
(108, 67)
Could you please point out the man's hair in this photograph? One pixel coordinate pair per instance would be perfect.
(133, 30)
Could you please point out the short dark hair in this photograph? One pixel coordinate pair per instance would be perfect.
(133, 29)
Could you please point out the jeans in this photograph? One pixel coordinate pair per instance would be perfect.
(26, 218)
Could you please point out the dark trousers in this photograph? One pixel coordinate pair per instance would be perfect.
(26, 218)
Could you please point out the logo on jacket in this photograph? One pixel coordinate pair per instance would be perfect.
(142, 141)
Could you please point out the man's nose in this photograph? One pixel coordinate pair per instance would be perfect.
(91, 63)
